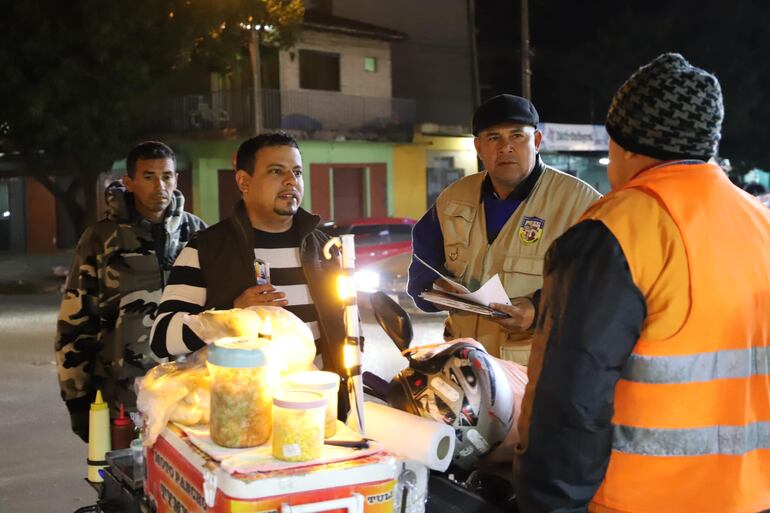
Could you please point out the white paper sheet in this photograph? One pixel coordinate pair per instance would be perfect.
(490, 292)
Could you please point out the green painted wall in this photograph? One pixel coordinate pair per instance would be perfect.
(346, 152)
(207, 157)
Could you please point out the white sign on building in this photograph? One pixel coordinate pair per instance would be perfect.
(565, 137)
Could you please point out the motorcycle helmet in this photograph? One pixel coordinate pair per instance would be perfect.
(462, 386)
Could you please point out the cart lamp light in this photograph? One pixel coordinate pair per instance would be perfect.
(350, 355)
(346, 287)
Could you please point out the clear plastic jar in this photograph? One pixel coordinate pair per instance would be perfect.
(241, 393)
(325, 383)
(298, 425)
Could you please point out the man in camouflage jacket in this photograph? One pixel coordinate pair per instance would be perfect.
(115, 284)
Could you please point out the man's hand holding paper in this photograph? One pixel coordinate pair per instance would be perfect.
(520, 314)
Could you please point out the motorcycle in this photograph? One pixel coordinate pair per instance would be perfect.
(486, 488)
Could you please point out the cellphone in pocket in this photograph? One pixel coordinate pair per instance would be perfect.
(261, 271)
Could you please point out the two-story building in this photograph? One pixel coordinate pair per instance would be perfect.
(377, 93)
(382, 111)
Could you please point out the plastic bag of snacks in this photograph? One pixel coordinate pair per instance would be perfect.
(175, 391)
(291, 342)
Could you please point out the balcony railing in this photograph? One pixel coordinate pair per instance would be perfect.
(308, 111)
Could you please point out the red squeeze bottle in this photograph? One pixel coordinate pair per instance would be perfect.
(121, 431)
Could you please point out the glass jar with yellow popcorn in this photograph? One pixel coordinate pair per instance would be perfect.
(325, 383)
(298, 425)
(241, 393)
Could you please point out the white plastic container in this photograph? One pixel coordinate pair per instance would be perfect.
(298, 425)
(325, 383)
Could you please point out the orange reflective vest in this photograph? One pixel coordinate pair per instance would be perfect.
(692, 412)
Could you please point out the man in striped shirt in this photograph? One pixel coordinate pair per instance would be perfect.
(217, 268)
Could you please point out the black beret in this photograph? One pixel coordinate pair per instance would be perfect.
(504, 108)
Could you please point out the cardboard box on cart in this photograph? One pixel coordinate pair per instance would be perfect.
(181, 478)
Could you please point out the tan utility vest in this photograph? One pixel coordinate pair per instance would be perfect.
(556, 202)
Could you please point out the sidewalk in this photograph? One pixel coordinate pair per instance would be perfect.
(32, 274)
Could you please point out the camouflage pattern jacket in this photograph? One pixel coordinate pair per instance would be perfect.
(109, 305)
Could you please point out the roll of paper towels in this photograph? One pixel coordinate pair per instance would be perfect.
(409, 436)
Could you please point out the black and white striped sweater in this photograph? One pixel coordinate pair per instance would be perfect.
(185, 291)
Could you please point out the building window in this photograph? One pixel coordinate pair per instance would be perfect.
(370, 64)
(440, 174)
(319, 70)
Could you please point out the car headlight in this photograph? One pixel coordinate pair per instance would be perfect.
(367, 281)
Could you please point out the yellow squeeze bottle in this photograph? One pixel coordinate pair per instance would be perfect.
(98, 437)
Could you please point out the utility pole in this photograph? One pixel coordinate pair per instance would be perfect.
(526, 71)
(256, 92)
(474, 54)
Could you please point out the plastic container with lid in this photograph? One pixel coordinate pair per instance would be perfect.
(241, 391)
(298, 425)
(325, 383)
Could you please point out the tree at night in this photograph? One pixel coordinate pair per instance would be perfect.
(80, 77)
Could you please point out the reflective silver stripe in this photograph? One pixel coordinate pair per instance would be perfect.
(729, 440)
(738, 363)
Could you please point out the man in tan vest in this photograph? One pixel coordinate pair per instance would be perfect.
(499, 221)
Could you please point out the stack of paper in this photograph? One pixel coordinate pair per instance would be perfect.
(477, 302)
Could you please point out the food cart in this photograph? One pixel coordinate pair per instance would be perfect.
(181, 468)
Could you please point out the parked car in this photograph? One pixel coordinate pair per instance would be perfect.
(376, 238)
(383, 254)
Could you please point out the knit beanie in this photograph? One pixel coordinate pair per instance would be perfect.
(668, 109)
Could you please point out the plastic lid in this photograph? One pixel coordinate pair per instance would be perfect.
(314, 380)
(98, 403)
(122, 420)
(299, 400)
(237, 352)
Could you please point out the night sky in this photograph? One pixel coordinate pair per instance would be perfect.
(583, 51)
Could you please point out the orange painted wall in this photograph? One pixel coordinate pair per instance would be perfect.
(41, 218)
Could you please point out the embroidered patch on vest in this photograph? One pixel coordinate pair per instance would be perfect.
(531, 230)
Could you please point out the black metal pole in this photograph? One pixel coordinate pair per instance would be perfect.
(526, 71)
(474, 54)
